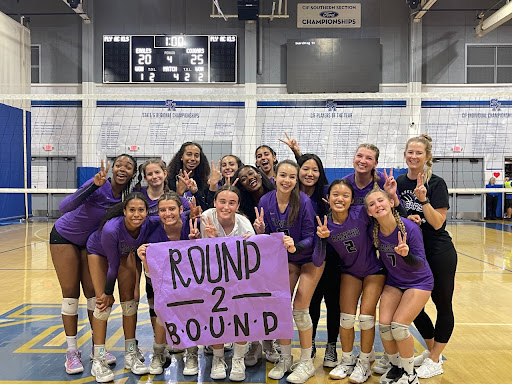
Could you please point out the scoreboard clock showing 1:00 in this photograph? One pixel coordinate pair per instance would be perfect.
(169, 59)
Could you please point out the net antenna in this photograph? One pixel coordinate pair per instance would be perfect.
(217, 5)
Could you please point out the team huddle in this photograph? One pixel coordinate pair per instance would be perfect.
(360, 239)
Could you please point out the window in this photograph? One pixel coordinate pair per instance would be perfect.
(488, 63)
(35, 63)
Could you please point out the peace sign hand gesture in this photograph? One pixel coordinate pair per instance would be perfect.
(390, 182)
(194, 232)
(215, 175)
(195, 210)
(420, 191)
(292, 143)
(259, 223)
(322, 231)
(101, 177)
(402, 248)
(209, 228)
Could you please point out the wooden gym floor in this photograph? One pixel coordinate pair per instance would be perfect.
(32, 343)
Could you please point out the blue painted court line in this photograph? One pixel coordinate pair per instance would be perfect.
(24, 246)
(485, 262)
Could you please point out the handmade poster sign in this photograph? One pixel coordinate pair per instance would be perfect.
(219, 290)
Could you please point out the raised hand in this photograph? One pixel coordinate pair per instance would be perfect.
(194, 231)
(402, 248)
(420, 191)
(195, 210)
(291, 143)
(259, 223)
(101, 177)
(181, 186)
(215, 175)
(390, 182)
(289, 244)
(228, 181)
(322, 231)
(141, 252)
(209, 228)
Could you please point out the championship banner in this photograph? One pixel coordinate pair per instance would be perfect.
(329, 15)
(221, 290)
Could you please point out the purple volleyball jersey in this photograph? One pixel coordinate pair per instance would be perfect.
(302, 230)
(353, 244)
(360, 194)
(400, 274)
(158, 235)
(114, 242)
(153, 204)
(82, 217)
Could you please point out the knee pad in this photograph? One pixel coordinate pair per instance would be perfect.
(91, 304)
(347, 320)
(69, 307)
(302, 319)
(399, 331)
(366, 322)
(385, 332)
(129, 307)
(152, 312)
(102, 315)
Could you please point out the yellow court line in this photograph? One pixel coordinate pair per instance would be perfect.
(60, 339)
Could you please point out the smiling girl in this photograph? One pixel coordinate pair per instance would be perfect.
(266, 161)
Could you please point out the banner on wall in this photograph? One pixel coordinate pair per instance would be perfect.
(333, 129)
(220, 290)
(328, 15)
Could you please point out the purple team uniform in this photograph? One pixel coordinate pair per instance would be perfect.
(153, 204)
(353, 244)
(400, 274)
(360, 194)
(158, 235)
(84, 210)
(114, 242)
(302, 231)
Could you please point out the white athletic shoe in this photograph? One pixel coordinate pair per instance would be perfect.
(101, 371)
(331, 357)
(301, 372)
(418, 360)
(157, 362)
(343, 369)
(218, 371)
(270, 349)
(391, 375)
(283, 366)
(383, 365)
(372, 355)
(361, 372)
(191, 367)
(174, 350)
(408, 378)
(430, 368)
(237, 369)
(253, 354)
(132, 362)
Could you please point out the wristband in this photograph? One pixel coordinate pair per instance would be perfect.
(424, 202)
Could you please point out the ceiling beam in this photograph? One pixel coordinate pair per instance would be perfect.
(78, 9)
(425, 6)
(498, 18)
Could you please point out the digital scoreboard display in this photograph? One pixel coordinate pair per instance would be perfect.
(169, 59)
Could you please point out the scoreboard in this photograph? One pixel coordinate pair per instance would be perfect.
(169, 59)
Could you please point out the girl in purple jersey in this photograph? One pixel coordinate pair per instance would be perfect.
(408, 284)
(112, 257)
(155, 173)
(313, 182)
(188, 173)
(222, 174)
(223, 221)
(83, 212)
(346, 230)
(290, 211)
(425, 196)
(174, 226)
(266, 161)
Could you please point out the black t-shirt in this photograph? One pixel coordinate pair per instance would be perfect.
(437, 192)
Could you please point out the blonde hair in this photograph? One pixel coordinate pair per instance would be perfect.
(373, 172)
(426, 140)
(376, 226)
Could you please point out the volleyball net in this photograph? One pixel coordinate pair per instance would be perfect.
(51, 143)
